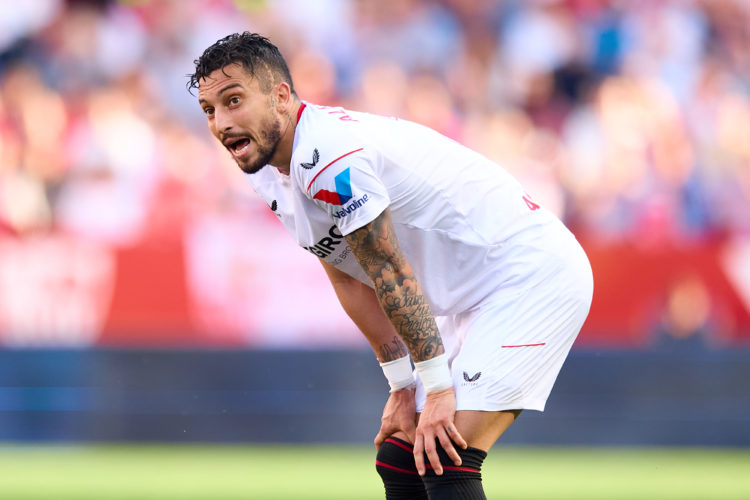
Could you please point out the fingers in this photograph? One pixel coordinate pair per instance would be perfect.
(383, 434)
(379, 439)
(426, 443)
(447, 445)
(430, 449)
(419, 453)
(406, 432)
(456, 437)
(437, 428)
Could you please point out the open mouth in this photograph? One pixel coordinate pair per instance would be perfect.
(239, 146)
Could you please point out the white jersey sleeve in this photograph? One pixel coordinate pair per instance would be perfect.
(349, 189)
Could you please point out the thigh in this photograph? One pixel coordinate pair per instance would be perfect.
(481, 429)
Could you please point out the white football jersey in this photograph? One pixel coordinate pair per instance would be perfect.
(465, 225)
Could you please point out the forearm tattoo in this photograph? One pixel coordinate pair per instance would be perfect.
(377, 250)
(393, 350)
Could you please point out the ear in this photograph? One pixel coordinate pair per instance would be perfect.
(281, 96)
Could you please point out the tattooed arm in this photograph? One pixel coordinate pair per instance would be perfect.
(400, 296)
(361, 304)
(377, 250)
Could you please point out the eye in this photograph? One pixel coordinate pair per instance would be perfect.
(234, 100)
(208, 111)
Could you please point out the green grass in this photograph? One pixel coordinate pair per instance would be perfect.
(323, 472)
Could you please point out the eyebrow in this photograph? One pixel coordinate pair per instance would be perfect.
(228, 87)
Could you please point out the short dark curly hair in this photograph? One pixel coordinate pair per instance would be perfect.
(252, 51)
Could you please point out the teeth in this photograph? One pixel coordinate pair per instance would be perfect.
(239, 150)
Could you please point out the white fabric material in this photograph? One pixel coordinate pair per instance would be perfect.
(398, 373)
(434, 373)
(500, 273)
(459, 218)
(506, 353)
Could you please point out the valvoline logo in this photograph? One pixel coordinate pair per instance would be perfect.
(343, 191)
(342, 196)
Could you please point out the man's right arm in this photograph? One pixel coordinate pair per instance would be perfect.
(362, 305)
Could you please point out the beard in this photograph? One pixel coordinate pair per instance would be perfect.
(266, 147)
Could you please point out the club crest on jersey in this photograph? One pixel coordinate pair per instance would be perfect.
(315, 158)
(343, 195)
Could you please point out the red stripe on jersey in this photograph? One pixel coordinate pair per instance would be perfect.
(523, 345)
(334, 161)
(301, 109)
(393, 467)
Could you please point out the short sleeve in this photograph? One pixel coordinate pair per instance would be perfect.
(350, 191)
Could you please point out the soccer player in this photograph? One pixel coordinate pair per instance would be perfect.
(437, 254)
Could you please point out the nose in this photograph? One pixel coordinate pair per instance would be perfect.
(222, 122)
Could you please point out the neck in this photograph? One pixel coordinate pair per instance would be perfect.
(282, 160)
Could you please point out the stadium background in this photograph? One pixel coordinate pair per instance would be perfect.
(146, 294)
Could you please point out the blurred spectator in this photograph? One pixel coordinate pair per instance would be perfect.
(686, 317)
(643, 104)
(629, 119)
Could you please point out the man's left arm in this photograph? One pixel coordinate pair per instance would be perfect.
(377, 250)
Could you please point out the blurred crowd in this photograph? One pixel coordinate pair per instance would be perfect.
(630, 119)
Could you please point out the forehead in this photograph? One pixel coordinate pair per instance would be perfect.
(231, 75)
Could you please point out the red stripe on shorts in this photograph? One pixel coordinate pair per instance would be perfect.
(523, 345)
